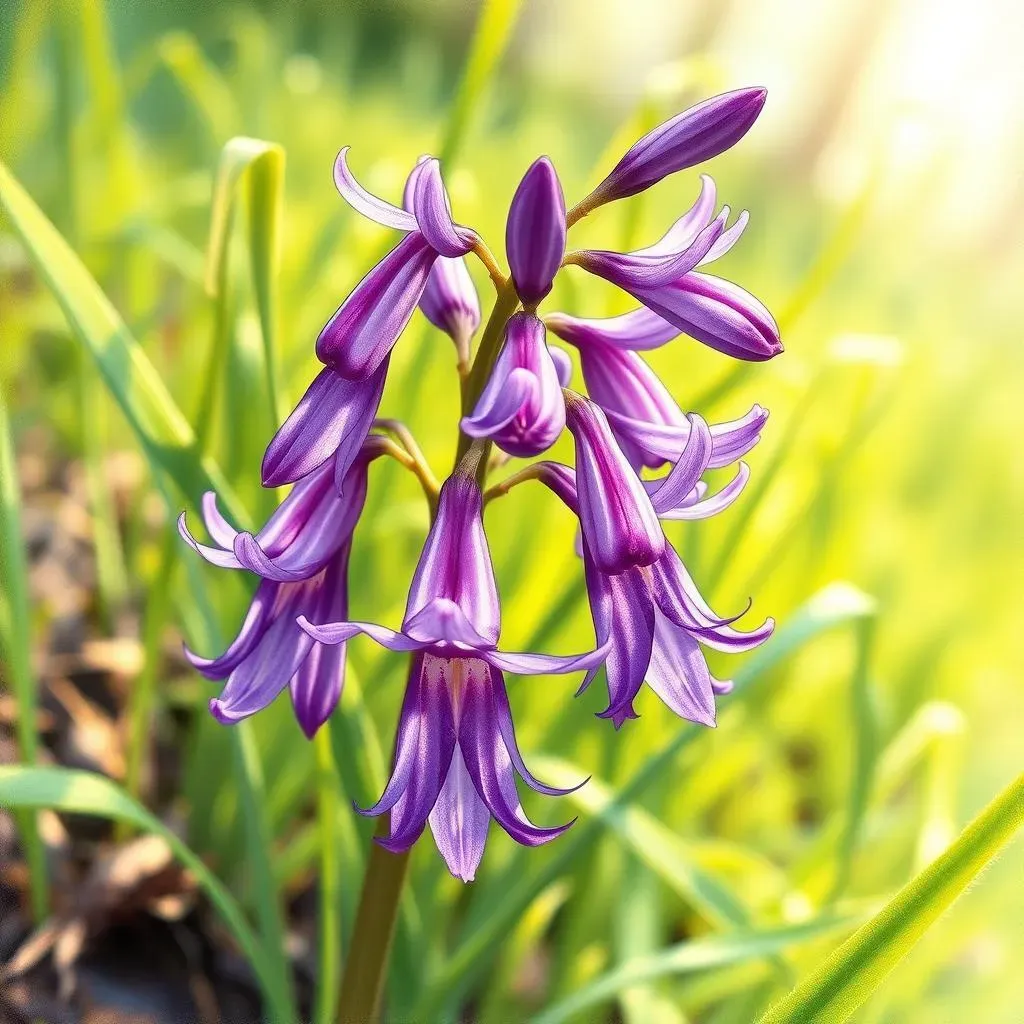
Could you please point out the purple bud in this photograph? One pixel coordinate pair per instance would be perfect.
(718, 313)
(697, 134)
(620, 526)
(451, 304)
(535, 232)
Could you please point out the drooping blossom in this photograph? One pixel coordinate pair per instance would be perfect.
(652, 616)
(301, 556)
(535, 232)
(664, 277)
(620, 526)
(697, 134)
(456, 756)
(359, 336)
(645, 419)
(521, 408)
(331, 421)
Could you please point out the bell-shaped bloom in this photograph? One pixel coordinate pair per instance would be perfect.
(331, 420)
(663, 276)
(302, 558)
(521, 407)
(450, 302)
(653, 617)
(619, 524)
(646, 420)
(359, 336)
(456, 758)
(697, 134)
(535, 232)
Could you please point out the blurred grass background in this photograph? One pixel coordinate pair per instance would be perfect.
(885, 195)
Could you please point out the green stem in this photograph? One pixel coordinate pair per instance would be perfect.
(329, 808)
(374, 930)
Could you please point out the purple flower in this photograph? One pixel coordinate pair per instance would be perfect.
(646, 420)
(653, 616)
(363, 331)
(521, 408)
(456, 757)
(302, 558)
(451, 304)
(663, 277)
(332, 419)
(535, 232)
(697, 134)
(620, 526)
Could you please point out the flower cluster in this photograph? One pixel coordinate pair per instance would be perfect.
(456, 759)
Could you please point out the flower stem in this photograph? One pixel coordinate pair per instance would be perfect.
(366, 967)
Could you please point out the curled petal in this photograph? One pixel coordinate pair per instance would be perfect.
(365, 202)
(442, 621)
(707, 507)
(521, 408)
(215, 556)
(216, 525)
(434, 214)
(261, 609)
(640, 329)
(633, 271)
(525, 664)
(332, 418)
(727, 239)
(535, 232)
(492, 772)
(683, 233)
(686, 473)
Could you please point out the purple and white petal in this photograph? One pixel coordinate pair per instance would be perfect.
(535, 232)
(679, 674)
(433, 210)
(460, 821)
(639, 329)
(366, 203)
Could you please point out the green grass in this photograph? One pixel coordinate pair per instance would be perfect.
(151, 243)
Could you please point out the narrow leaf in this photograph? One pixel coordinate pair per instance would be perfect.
(835, 989)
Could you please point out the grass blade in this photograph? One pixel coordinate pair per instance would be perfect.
(835, 990)
(79, 792)
(163, 431)
(260, 165)
(493, 29)
(698, 955)
(15, 638)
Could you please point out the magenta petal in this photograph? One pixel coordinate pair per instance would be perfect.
(332, 417)
(679, 675)
(459, 821)
(717, 502)
(501, 401)
(717, 313)
(535, 232)
(365, 202)
(563, 365)
(434, 214)
(455, 563)
(366, 326)
(249, 635)
(618, 521)
(442, 621)
(697, 134)
(640, 329)
(686, 473)
(635, 271)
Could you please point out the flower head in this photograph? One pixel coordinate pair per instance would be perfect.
(521, 408)
(302, 558)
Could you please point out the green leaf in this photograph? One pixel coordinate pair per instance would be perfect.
(15, 641)
(162, 430)
(654, 844)
(835, 990)
(79, 792)
(493, 29)
(698, 955)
